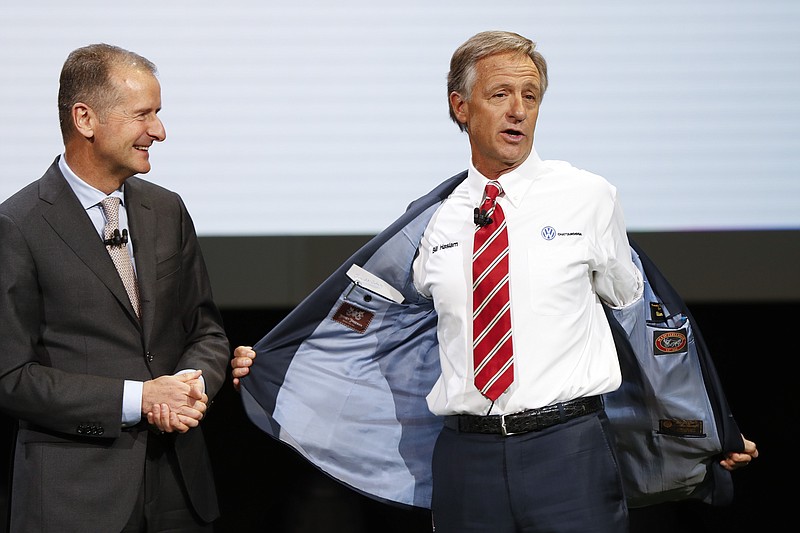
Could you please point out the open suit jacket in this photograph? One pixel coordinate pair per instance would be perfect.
(70, 337)
(343, 380)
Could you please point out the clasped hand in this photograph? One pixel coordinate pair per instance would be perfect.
(175, 403)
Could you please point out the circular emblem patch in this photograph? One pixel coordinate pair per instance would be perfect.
(671, 341)
(548, 233)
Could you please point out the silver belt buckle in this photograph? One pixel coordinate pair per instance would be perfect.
(503, 429)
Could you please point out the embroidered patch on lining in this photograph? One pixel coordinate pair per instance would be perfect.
(681, 428)
(669, 342)
(353, 317)
(656, 312)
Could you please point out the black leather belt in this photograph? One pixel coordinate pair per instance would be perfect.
(525, 421)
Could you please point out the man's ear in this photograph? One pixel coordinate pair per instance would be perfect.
(84, 119)
(460, 107)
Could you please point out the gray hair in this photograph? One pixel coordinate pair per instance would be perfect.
(463, 72)
(87, 77)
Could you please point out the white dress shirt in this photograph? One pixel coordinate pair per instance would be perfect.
(568, 249)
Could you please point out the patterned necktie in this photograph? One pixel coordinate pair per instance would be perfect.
(116, 245)
(491, 320)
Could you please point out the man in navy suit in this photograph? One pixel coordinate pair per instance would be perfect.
(108, 383)
(537, 456)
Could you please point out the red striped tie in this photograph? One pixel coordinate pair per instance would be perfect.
(491, 320)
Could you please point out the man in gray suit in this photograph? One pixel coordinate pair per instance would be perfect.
(108, 382)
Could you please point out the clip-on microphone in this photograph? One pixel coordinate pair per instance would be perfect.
(117, 239)
(481, 217)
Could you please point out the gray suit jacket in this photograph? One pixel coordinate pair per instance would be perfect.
(70, 338)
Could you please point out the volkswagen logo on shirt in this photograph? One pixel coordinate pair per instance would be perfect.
(548, 233)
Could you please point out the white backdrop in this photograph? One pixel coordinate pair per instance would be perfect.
(321, 118)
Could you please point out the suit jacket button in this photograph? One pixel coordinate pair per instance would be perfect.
(149, 357)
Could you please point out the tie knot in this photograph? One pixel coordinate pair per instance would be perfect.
(111, 208)
(493, 190)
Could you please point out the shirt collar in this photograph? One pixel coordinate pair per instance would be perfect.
(515, 183)
(87, 195)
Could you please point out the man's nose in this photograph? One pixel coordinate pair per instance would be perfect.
(157, 130)
(517, 109)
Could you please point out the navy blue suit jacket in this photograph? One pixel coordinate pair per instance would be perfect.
(343, 379)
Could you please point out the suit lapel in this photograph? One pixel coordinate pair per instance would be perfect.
(69, 220)
(142, 222)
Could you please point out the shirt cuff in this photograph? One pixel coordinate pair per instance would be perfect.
(132, 403)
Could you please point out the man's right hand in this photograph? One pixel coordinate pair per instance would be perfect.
(174, 403)
(242, 360)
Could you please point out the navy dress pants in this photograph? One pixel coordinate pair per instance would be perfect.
(563, 479)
